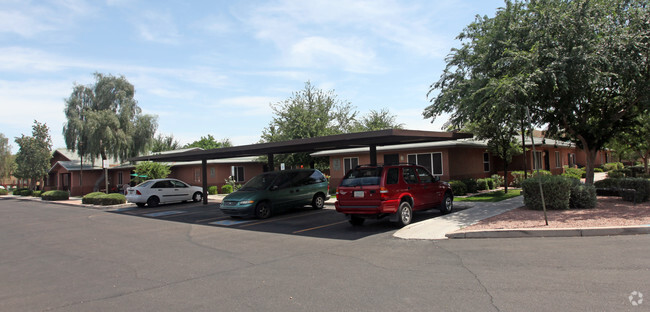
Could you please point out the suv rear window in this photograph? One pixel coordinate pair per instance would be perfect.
(362, 176)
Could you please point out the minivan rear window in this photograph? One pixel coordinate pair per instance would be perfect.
(362, 176)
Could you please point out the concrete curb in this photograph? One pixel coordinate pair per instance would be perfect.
(559, 232)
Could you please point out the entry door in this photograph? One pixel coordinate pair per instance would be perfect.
(65, 181)
(391, 159)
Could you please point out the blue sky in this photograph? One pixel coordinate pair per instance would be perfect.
(213, 67)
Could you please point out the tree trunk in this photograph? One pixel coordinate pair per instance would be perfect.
(523, 148)
(505, 175)
(645, 162)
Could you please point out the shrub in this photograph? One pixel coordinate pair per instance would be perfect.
(3, 192)
(226, 189)
(99, 198)
(213, 190)
(37, 193)
(482, 184)
(635, 171)
(490, 183)
(607, 183)
(517, 178)
(582, 196)
(55, 195)
(498, 180)
(18, 191)
(613, 166)
(471, 185)
(597, 169)
(557, 192)
(25, 193)
(615, 174)
(458, 187)
(574, 173)
(640, 185)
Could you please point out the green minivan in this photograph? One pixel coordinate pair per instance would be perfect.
(272, 192)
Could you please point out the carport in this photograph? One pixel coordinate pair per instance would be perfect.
(370, 139)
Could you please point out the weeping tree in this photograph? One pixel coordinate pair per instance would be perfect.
(104, 120)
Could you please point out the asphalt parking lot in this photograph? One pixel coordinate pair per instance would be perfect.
(324, 223)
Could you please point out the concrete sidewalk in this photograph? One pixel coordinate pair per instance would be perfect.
(437, 228)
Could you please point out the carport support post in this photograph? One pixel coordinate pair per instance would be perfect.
(204, 172)
(373, 155)
(270, 162)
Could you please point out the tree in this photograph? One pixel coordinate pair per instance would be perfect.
(163, 143)
(6, 159)
(152, 170)
(580, 66)
(33, 157)
(209, 142)
(308, 113)
(637, 139)
(104, 120)
(377, 120)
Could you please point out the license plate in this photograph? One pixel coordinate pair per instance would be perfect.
(359, 194)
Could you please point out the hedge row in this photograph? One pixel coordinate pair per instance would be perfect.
(99, 198)
(462, 187)
(213, 190)
(622, 186)
(4, 192)
(55, 195)
(560, 193)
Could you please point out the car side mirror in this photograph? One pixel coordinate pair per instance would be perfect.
(274, 188)
(436, 178)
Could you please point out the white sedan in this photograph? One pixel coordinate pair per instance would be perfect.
(158, 191)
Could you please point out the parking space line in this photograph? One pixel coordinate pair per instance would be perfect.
(211, 219)
(164, 213)
(271, 220)
(319, 227)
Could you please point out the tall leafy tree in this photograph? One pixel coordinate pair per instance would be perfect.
(580, 66)
(163, 143)
(6, 159)
(209, 142)
(308, 113)
(33, 157)
(104, 120)
(377, 120)
(152, 170)
(636, 141)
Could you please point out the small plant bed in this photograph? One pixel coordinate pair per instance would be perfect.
(99, 198)
(494, 196)
(609, 211)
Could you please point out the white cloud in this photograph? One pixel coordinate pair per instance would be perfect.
(158, 27)
(27, 19)
(246, 106)
(319, 52)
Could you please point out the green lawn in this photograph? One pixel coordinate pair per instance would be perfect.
(490, 197)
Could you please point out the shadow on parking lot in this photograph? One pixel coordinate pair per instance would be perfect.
(324, 223)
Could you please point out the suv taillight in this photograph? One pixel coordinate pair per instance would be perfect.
(337, 191)
(137, 192)
(383, 192)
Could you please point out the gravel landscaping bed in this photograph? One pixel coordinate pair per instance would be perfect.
(609, 211)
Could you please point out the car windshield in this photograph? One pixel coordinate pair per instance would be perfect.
(362, 176)
(260, 182)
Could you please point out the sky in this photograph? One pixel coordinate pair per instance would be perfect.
(214, 67)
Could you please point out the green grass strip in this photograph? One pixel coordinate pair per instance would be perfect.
(490, 197)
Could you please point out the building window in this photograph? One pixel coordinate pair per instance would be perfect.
(486, 162)
(237, 173)
(197, 175)
(349, 163)
(572, 159)
(212, 172)
(431, 161)
(119, 179)
(537, 161)
(558, 160)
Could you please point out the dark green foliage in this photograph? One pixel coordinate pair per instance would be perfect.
(557, 192)
(55, 195)
(458, 187)
(599, 170)
(498, 180)
(37, 193)
(611, 183)
(99, 198)
(640, 185)
(582, 196)
(26, 193)
(213, 190)
(573, 173)
(471, 185)
(226, 189)
(490, 182)
(3, 192)
(482, 184)
(18, 191)
(613, 166)
(615, 174)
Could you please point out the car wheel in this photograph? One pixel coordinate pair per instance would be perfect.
(197, 197)
(447, 204)
(404, 214)
(318, 202)
(356, 220)
(153, 201)
(263, 210)
(140, 204)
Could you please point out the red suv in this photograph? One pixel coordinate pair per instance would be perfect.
(391, 190)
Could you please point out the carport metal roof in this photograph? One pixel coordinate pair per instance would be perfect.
(331, 142)
(370, 139)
